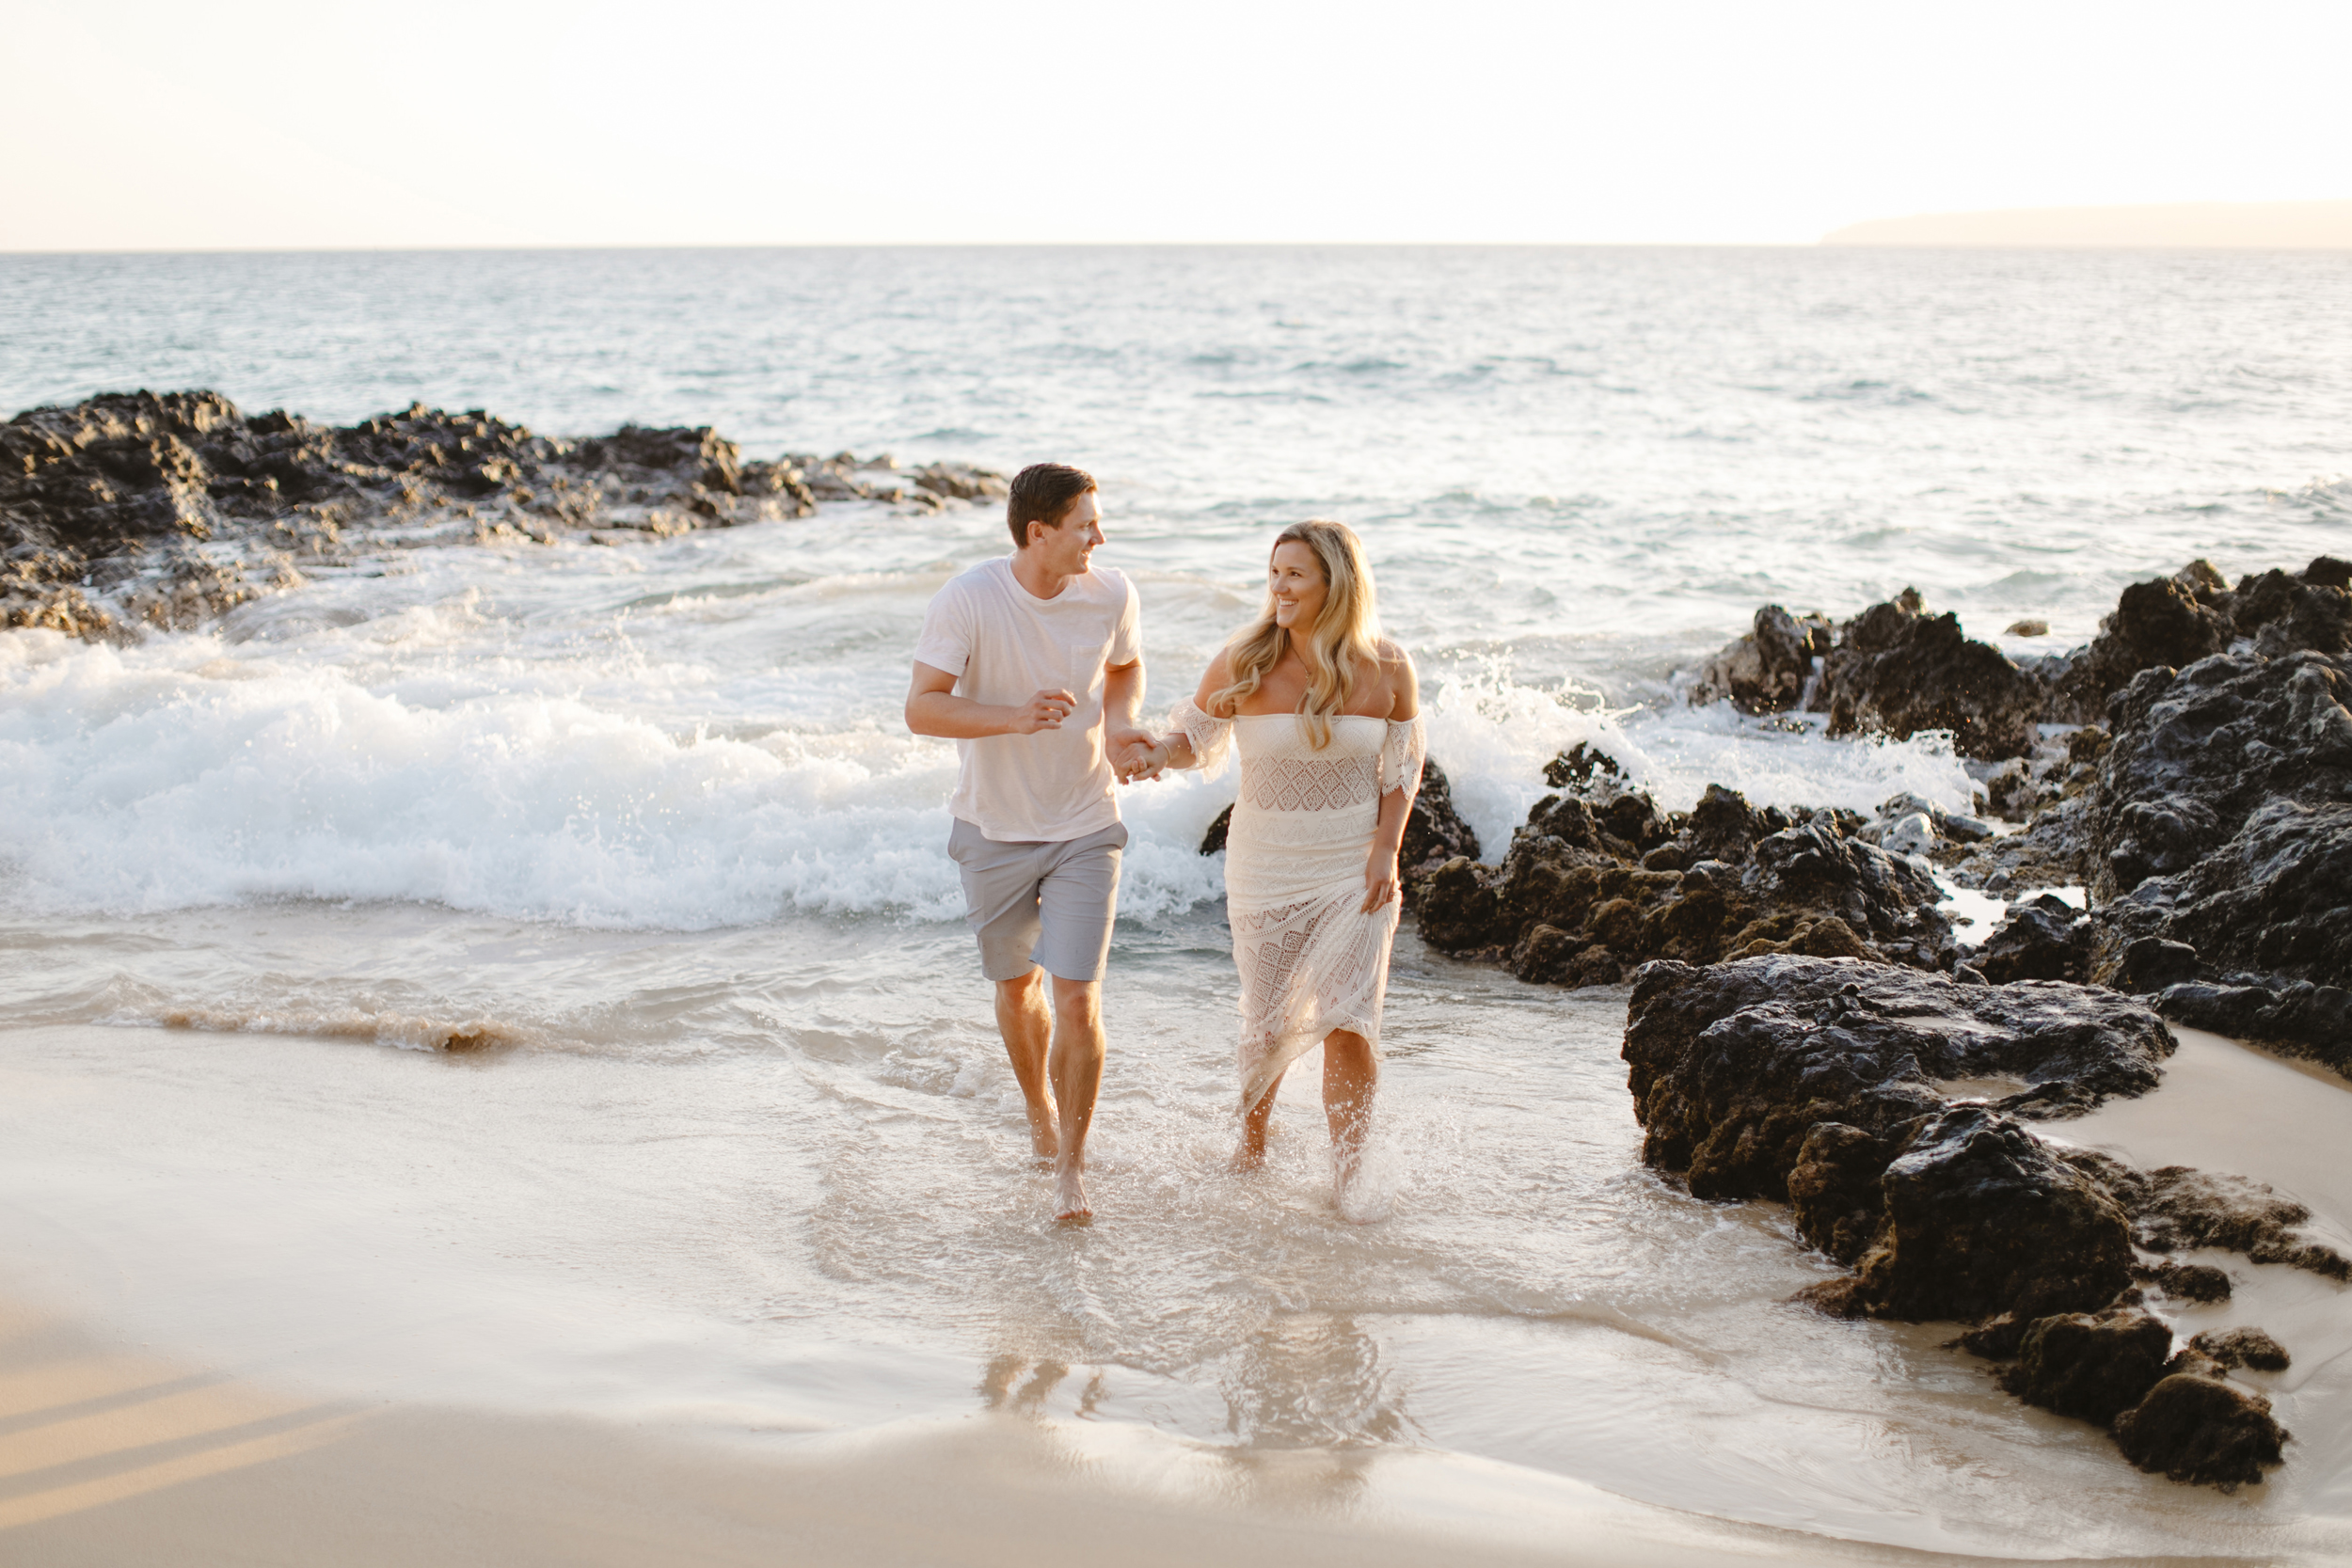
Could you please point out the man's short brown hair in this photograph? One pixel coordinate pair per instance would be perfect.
(1043, 493)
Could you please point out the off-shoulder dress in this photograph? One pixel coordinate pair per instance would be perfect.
(1311, 959)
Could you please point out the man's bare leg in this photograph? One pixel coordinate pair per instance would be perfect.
(1350, 1075)
(1023, 1020)
(1076, 1066)
(1251, 1154)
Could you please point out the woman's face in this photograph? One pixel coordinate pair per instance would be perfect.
(1295, 578)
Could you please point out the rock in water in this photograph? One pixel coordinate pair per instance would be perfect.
(114, 492)
(2221, 822)
(2243, 1347)
(2094, 1368)
(1732, 1065)
(1982, 1218)
(1600, 880)
(2045, 939)
(1766, 670)
(1434, 830)
(2201, 1429)
(1896, 670)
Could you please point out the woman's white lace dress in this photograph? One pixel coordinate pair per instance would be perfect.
(1310, 959)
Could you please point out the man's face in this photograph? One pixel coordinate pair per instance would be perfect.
(1064, 550)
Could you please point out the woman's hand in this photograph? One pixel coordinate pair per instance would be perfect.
(1135, 756)
(1380, 884)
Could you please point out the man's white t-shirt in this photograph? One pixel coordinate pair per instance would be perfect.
(1004, 645)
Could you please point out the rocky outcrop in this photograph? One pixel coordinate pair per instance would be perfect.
(2091, 1368)
(2170, 623)
(1892, 669)
(1896, 670)
(1732, 1065)
(2221, 822)
(1835, 1085)
(2202, 1429)
(141, 508)
(1979, 1218)
(1769, 669)
(2293, 1015)
(2042, 939)
(2176, 1207)
(2243, 1347)
(1599, 879)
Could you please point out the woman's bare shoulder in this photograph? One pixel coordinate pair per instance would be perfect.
(1215, 678)
(1404, 682)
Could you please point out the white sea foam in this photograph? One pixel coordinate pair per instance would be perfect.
(171, 775)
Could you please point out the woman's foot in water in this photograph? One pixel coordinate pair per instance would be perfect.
(1249, 1154)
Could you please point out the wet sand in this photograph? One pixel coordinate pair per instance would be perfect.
(110, 1455)
(190, 1372)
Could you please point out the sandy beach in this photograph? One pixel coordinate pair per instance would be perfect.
(493, 1067)
(182, 1399)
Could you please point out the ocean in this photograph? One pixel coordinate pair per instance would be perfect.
(735, 1146)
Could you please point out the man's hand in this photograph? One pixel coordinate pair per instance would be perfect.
(1135, 756)
(1380, 883)
(1044, 711)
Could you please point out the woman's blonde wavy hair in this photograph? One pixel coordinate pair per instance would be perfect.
(1339, 649)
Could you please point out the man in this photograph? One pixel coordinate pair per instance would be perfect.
(1012, 656)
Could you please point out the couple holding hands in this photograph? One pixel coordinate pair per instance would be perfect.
(1033, 664)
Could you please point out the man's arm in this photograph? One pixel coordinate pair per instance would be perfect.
(1123, 734)
(933, 708)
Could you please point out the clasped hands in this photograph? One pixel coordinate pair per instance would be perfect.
(1136, 757)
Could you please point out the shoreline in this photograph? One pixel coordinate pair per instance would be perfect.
(329, 1437)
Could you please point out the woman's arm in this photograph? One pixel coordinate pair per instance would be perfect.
(1381, 877)
(1174, 749)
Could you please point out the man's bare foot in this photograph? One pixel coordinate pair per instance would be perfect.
(1069, 1191)
(1045, 1130)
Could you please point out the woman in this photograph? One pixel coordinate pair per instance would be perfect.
(1328, 719)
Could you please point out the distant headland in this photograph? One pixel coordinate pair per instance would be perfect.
(2181, 225)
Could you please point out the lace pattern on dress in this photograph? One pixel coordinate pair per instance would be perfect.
(1310, 959)
(1402, 756)
(1211, 737)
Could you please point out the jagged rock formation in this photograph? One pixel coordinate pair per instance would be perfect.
(1894, 669)
(141, 508)
(2222, 823)
(2206, 801)
(1599, 879)
(1767, 669)
(1831, 1085)
(1732, 1065)
(2042, 938)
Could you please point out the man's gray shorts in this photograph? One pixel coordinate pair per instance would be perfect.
(1048, 904)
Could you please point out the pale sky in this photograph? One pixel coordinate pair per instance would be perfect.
(268, 123)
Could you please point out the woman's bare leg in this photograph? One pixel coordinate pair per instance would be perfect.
(1251, 1153)
(1351, 1072)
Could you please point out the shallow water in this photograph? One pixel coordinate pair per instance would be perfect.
(728, 1140)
